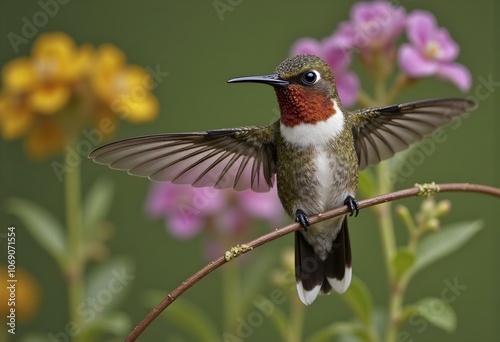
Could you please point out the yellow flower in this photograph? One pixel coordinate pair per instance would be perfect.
(132, 99)
(27, 295)
(124, 89)
(49, 99)
(53, 55)
(51, 95)
(108, 62)
(18, 76)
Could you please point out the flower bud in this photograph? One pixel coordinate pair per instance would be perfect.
(402, 211)
(428, 206)
(433, 224)
(443, 208)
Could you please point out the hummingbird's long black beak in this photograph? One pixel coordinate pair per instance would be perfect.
(272, 79)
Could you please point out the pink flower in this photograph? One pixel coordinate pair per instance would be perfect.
(373, 25)
(188, 210)
(184, 207)
(332, 50)
(261, 205)
(432, 52)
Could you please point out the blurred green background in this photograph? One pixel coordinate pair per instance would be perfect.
(200, 52)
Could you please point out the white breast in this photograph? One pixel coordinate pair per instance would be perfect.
(317, 134)
(324, 176)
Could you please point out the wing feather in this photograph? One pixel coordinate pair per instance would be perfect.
(381, 132)
(238, 158)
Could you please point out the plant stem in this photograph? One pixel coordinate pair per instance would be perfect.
(231, 295)
(386, 224)
(398, 288)
(74, 269)
(384, 186)
(296, 321)
(385, 219)
(389, 249)
(402, 81)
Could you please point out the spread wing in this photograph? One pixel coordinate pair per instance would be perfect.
(238, 158)
(381, 132)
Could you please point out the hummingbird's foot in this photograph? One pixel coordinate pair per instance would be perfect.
(302, 218)
(352, 204)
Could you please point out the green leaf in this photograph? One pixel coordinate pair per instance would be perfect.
(97, 204)
(108, 283)
(366, 183)
(442, 243)
(339, 329)
(403, 261)
(187, 316)
(358, 297)
(43, 226)
(438, 313)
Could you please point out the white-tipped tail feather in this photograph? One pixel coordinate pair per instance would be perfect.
(314, 274)
(307, 297)
(341, 286)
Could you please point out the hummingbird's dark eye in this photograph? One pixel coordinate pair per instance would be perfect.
(310, 77)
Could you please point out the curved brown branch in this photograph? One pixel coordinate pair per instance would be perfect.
(415, 191)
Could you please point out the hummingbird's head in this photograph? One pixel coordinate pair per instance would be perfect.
(305, 89)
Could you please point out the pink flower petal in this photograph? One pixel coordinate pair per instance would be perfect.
(348, 88)
(448, 48)
(376, 24)
(414, 64)
(458, 74)
(421, 26)
(337, 57)
(159, 199)
(184, 226)
(232, 220)
(264, 205)
(207, 200)
(343, 37)
(307, 46)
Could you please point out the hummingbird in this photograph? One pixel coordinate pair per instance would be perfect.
(313, 153)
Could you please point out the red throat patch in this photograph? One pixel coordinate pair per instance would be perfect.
(298, 105)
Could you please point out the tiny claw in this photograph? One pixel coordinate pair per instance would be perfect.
(302, 218)
(352, 204)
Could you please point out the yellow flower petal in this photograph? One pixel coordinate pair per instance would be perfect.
(143, 106)
(53, 54)
(49, 99)
(15, 120)
(107, 65)
(82, 63)
(109, 57)
(132, 81)
(135, 76)
(18, 75)
(143, 110)
(45, 140)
